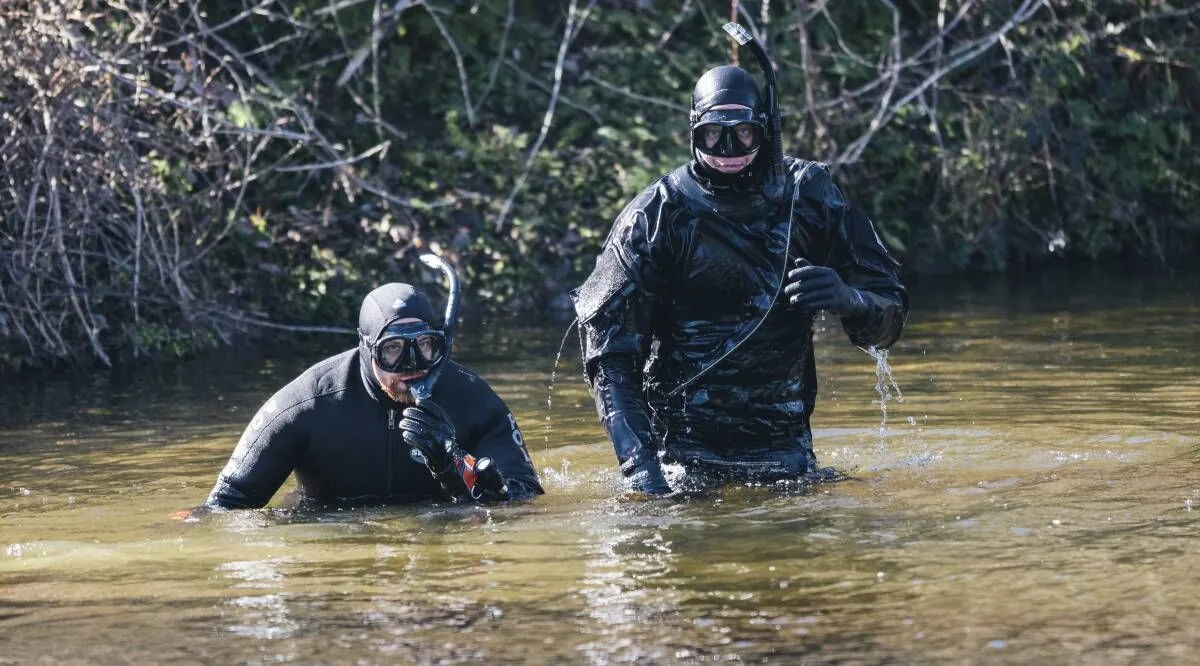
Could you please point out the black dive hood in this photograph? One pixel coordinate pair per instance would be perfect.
(717, 87)
(775, 187)
(392, 302)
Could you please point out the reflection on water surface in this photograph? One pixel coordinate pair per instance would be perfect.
(1030, 500)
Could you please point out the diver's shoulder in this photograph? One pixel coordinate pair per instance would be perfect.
(661, 189)
(816, 181)
(649, 207)
(809, 170)
(459, 382)
(459, 374)
(327, 377)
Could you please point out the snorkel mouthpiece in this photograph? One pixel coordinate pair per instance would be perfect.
(776, 177)
(422, 390)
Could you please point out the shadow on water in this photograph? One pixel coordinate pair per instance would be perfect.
(1030, 501)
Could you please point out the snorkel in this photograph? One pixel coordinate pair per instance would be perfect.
(422, 389)
(479, 474)
(776, 175)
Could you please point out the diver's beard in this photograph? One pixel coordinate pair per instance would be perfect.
(391, 383)
(404, 397)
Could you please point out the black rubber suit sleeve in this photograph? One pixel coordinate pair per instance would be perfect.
(863, 262)
(264, 457)
(616, 306)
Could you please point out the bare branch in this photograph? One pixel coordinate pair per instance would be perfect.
(625, 91)
(458, 62)
(1026, 10)
(508, 23)
(382, 26)
(569, 33)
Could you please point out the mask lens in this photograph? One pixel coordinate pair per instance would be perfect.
(431, 347)
(390, 353)
(749, 136)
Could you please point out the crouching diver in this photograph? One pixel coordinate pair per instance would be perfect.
(371, 426)
(697, 320)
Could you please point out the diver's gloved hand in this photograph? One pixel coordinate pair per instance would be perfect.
(489, 484)
(427, 429)
(813, 288)
(647, 477)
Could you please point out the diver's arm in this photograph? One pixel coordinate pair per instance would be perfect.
(626, 418)
(616, 306)
(860, 277)
(500, 439)
(869, 268)
(265, 455)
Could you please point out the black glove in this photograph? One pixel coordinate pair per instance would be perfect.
(813, 288)
(427, 429)
(647, 477)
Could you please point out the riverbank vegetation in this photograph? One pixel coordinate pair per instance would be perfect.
(176, 174)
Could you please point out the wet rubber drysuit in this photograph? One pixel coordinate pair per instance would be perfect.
(339, 432)
(688, 270)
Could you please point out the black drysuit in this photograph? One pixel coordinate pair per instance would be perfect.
(689, 270)
(337, 431)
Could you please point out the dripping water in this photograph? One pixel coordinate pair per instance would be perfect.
(554, 378)
(886, 387)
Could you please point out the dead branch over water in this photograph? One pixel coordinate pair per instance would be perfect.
(163, 170)
(132, 134)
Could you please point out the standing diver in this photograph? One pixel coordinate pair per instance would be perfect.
(697, 319)
(370, 426)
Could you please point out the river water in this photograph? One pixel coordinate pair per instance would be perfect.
(1033, 497)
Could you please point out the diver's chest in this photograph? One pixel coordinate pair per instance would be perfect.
(727, 271)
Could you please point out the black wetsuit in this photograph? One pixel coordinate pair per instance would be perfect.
(688, 270)
(334, 428)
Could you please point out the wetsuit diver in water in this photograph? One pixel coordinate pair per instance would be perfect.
(368, 426)
(697, 319)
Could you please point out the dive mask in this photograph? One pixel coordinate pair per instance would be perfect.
(728, 132)
(409, 347)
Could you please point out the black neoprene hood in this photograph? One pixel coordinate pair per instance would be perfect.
(724, 85)
(388, 303)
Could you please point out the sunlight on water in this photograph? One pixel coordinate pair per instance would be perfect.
(1028, 498)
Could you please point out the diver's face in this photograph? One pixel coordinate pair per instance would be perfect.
(729, 165)
(396, 384)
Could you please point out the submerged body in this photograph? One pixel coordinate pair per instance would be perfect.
(346, 447)
(354, 432)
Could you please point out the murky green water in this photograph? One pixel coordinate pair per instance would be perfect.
(1029, 501)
